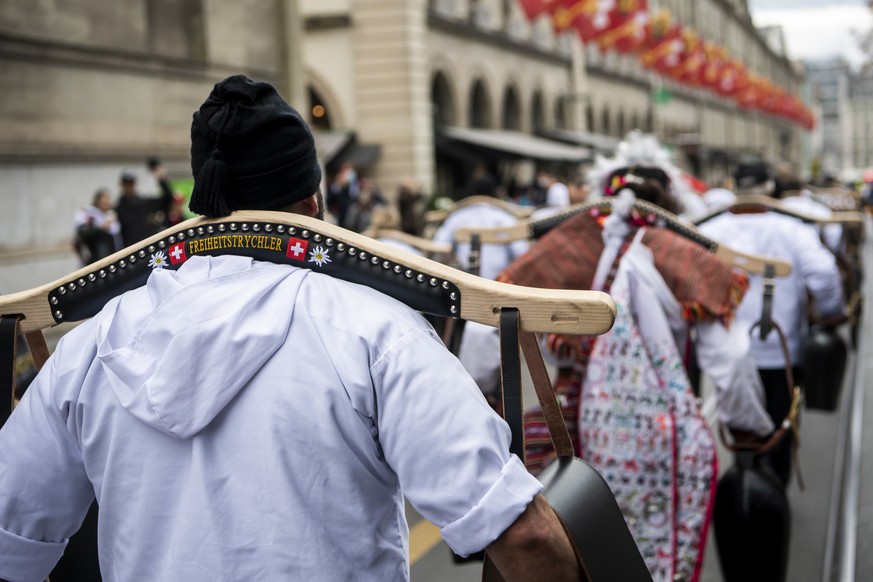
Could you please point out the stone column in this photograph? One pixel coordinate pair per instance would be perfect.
(292, 75)
(393, 88)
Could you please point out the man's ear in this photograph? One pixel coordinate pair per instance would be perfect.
(308, 206)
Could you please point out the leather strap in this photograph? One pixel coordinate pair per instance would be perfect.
(474, 259)
(789, 423)
(546, 394)
(510, 378)
(510, 374)
(38, 348)
(453, 332)
(510, 387)
(766, 322)
(454, 329)
(8, 340)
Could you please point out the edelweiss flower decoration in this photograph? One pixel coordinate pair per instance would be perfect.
(319, 256)
(158, 260)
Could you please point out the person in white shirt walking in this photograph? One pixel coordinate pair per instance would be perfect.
(814, 273)
(245, 420)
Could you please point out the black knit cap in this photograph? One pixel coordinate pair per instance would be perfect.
(751, 173)
(250, 150)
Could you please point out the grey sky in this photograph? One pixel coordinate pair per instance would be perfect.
(816, 29)
(787, 4)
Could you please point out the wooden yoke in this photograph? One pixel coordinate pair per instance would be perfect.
(837, 199)
(758, 201)
(537, 228)
(297, 240)
(438, 216)
(425, 245)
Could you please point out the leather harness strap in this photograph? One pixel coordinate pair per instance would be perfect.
(8, 339)
(38, 348)
(546, 394)
(788, 424)
(766, 322)
(510, 379)
(510, 375)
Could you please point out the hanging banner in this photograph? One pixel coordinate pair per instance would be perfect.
(628, 27)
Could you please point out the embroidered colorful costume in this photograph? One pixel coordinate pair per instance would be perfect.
(638, 421)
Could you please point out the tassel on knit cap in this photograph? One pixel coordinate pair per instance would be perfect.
(250, 150)
(211, 188)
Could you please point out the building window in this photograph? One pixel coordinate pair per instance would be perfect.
(319, 115)
(537, 114)
(511, 110)
(445, 7)
(479, 14)
(543, 34)
(604, 121)
(480, 109)
(441, 101)
(561, 121)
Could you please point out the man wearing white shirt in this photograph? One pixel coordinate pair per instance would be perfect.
(479, 350)
(814, 272)
(245, 420)
(557, 193)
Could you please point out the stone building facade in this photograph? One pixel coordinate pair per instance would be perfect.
(831, 82)
(88, 88)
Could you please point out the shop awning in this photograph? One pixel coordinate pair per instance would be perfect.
(600, 143)
(339, 147)
(513, 143)
(329, 143)
(361, 155)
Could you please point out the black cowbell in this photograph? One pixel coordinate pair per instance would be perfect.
(824, 365)
(752, 521)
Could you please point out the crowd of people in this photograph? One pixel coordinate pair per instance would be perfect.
(105, 227)
(237, 419)
(682, 310)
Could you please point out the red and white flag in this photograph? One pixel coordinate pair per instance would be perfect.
(533, 8)
(296, 249)
(177, 253)
(629, 27)
(590, 18)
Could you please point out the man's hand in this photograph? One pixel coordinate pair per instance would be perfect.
(159, 172)
(535, 547)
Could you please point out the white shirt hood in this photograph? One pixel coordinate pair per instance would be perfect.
(154, 355)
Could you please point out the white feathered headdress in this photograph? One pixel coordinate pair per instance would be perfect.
(642, 150)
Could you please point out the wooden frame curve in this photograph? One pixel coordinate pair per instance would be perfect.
(757, 201)
(425, 245)
(542, 310)
(438, 216)
(748, 262)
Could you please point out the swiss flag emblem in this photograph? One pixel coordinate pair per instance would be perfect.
(296, 249)
(177, 253)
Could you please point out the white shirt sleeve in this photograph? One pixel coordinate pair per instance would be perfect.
(724, 355)
(449, 450)
(819, 271)
(558, 196)
(44, 489)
